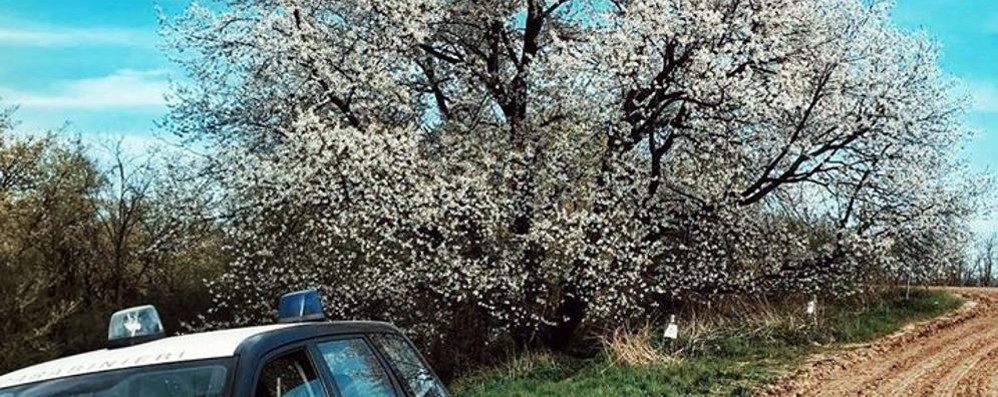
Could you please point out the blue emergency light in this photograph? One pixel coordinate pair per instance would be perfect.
(133, 326)
(301, 306)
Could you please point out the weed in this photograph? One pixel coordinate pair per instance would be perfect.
(720, 355)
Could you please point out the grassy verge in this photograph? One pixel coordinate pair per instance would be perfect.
(731, 361)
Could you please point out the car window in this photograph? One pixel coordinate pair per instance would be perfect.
(291, 375)
(419, 380)
(356, 369)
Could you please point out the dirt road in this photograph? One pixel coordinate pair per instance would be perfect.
(955, 355)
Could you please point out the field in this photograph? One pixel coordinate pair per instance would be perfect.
(733, 361)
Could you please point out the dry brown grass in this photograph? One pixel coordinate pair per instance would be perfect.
(743, 316)
(634, 348)
(699, 326)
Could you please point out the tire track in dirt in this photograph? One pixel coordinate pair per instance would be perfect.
(993, 386)
(954, 355)
(983, 380)
(929, 371)
(880, 372)
(961, 373)
(885, 358)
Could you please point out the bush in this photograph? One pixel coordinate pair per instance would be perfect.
(733, 358)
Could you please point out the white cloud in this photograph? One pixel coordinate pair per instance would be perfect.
(984, 95)
(136, 146)
(48, 36)
(131, 144)
(122, 89)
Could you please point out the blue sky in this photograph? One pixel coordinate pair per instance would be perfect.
(967, 31)
(96, 65)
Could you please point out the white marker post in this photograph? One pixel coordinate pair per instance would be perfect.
(672, 330)
(812, 309)
(907, 287)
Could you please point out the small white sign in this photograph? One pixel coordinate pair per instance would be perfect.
(672, 331)
(812, 307)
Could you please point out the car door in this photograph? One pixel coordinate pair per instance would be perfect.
(412, 370)
(354, 367)
(289, 373)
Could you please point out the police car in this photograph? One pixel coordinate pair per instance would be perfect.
(301, 356)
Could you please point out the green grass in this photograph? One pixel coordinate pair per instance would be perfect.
(731, 363)
(890, 315)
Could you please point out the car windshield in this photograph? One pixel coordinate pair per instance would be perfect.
(202, 379)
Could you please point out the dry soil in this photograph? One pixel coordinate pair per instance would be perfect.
(954, 355)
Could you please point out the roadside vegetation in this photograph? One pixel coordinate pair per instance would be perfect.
(504, 176)
(86, 231)
(710, 358)
(499, 177)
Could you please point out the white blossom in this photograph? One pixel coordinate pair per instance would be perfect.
(420, 160)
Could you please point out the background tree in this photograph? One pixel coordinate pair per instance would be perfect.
(984, 258)
(515, 170)
(78, 242)
(36, 224)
